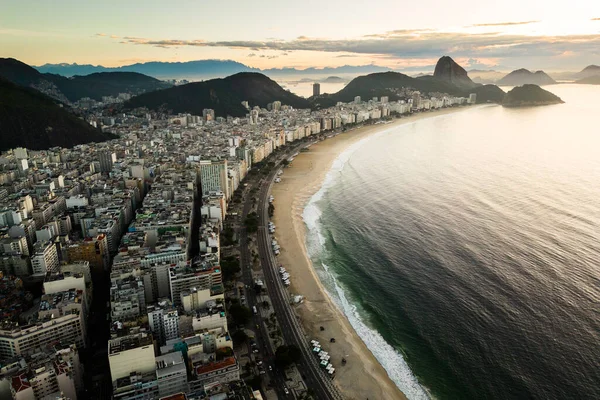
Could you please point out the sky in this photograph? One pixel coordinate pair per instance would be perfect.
(402, 35)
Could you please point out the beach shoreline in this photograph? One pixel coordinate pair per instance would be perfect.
(363, 376)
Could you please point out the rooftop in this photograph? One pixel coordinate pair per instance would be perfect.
(129, 342)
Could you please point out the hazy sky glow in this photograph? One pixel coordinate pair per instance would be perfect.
(402, 35)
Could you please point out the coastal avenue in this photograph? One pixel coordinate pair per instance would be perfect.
(293, 333)
(261, 337)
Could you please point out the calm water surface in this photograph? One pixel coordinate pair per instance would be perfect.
(465, 250)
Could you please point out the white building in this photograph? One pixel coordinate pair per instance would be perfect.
(131, 354)
(171, 374)
(44, 258)
(164, 321)
(213, 177)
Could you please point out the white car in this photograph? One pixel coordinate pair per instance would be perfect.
(286, 390)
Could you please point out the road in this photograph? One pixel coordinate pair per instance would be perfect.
(276, 377)
(293, 333)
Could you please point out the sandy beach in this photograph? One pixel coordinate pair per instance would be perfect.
(362, 377)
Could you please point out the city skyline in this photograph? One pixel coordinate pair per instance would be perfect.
(304, 35)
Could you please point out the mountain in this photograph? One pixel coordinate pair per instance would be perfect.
(447, 70)
(382, 84)
(523, 77)
(72, 89)
(202, 69)
(222, 95)
(18, 72)
(588, 72)
(488, 94)
(529, 95)
(30, 119)
(102, 84)
(166, 70)
(345, 69)
(68, 70)
(333, 79)
(591, 80)
(485, 76)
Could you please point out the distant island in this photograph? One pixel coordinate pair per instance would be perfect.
(528, 96)
(333, 79)
(588, 72)
(525, 77)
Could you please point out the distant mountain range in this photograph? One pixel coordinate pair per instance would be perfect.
(449, 78)
(525, 77)
(222, 95)
(64, 89)
(225, 96)
(30, 119)
(485, 76)
(588, 72)
(201, 69)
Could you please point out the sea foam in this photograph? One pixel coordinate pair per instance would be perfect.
(391, 360)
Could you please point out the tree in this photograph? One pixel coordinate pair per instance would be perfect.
(265, 304)
(239, 314)
(239, 336)
(271, 209)
(227, 236)
(287, 355)
(256, 382)
(230, 266)
(251, 222)
(258, 289)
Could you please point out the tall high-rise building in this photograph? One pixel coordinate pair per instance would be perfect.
(213, 177)
(106, 158)
(44, 258)
(416, 100)
(133, 367)
(163, 320)
(316, 89)
(208, 114)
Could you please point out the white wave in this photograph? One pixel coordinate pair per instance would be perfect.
(391, 360)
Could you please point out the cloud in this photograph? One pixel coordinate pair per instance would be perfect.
(595, 19)
(399, 32)
(251, 55)
(410, 44)
(506, 23)
(101, 34)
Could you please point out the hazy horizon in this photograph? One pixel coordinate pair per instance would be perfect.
(306, 34)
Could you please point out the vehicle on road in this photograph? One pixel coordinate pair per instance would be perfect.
(286, 390)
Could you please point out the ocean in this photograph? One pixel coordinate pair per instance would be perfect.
(465, 249)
